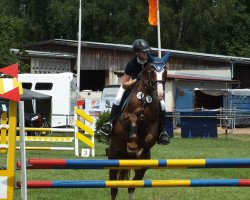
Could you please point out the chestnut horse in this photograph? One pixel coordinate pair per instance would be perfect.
(136, 130)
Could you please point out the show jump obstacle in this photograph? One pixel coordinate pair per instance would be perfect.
(137, 164)
(82, 131)
(139, 183)
(10, 89)
(87, 137)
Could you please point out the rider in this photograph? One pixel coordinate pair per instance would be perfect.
(132, 70)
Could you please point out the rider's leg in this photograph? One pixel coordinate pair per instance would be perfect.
(115, 111)
(107, 127)
(163, 137)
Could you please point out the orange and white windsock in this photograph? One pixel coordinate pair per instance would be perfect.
(10, 88)
(152, 14)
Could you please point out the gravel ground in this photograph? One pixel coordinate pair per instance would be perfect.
(234, 131)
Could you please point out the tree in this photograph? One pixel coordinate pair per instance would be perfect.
(63, 19)
(218, 26)
(231, 24)
(209, 26)
(9, 33)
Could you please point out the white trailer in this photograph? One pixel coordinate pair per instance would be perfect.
(63, 89)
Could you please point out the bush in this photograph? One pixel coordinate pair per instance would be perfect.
(103, 118)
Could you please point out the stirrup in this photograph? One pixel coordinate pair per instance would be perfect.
(166, 140)
(106, 132)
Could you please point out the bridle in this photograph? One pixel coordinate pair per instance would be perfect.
(159, 64)
(152, 84)
(150, 88)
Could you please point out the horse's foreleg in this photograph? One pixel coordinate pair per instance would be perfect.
(113, 176)
(151, 137)
(132, 144)
(149, 141)
(139, 174)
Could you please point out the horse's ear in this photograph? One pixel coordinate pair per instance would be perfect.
(166, 57)
(150, 57)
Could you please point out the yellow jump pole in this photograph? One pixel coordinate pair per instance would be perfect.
(9, 174)
(3, 132)
(12, 148)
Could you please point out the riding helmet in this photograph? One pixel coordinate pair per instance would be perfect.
(140, 45)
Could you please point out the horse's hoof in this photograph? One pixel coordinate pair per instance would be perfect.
(132, 147)
(164, 139)
(131, 151)
(139, 153)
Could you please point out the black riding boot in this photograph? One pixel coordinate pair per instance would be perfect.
(164, 138)
(106, 128)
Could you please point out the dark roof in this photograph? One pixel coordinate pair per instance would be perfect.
(29, 95)
(97, 45)
(197, 78)
(47, 54)
(176, 53)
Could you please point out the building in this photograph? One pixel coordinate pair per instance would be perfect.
(189, 73)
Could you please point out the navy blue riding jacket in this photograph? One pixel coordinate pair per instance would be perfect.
(133, 68)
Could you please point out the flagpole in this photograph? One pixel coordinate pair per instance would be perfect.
(158, 30)
(79, 46)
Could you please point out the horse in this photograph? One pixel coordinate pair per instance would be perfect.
(136, 130)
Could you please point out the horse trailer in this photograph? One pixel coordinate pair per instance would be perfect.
(62, 88)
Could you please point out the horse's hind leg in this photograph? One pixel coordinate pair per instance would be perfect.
(139, 174)
(113, 176)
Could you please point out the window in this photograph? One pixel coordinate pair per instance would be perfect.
(4, 107)
(43, 86)
(27, 85)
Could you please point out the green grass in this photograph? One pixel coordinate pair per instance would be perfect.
(235, 146)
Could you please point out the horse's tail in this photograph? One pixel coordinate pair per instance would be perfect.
(123, 174)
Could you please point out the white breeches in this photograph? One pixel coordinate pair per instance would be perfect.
(163, 105)
(119, 96)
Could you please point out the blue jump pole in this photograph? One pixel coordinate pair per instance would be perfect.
(139, 183)
(136, 164)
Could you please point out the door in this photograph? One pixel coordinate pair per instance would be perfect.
(184, 101)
